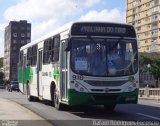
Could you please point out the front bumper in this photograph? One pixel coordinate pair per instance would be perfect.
(79, 98)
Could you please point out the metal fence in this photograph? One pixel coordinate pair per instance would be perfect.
(149, 93)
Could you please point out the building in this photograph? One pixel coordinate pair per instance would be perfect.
(145, 15)
(17, 34)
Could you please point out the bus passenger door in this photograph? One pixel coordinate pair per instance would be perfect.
(63, 71)
(24, 72)
(39, 73)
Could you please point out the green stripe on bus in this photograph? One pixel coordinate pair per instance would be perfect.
(81, 98)
(25, 75)
(56, 73)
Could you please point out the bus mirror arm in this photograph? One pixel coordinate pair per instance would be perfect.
(67, 45)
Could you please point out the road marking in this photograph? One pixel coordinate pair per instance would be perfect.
(153, 117)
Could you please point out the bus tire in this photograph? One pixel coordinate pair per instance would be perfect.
(109, 108)
(52, 89)
(57, 104)
(29, 96)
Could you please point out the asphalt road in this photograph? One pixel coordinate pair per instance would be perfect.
(146, 112)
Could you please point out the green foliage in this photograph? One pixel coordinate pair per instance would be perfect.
(154, 62)
(155, 68)
(143, 62)
(1, 77)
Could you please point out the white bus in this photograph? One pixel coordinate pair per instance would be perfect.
(82, 63)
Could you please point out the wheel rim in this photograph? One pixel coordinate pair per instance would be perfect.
(56, 101)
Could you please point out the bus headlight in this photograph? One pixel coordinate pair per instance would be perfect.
(131, 87)
(76, 85)
(80, 88)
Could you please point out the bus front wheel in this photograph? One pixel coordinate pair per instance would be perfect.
(109, 108)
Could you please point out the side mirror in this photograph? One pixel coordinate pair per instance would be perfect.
(67, 45)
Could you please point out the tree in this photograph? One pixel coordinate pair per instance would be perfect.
(1, 62)
(143, 62)
(155, 68)
(154, 61)
(1, 77)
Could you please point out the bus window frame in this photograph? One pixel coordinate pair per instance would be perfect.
(49, 54)
(47, 49)
(29, 54)
(125, 38)
(32, 55)
(21, 58)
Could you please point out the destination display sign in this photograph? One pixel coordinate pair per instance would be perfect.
(103, 29)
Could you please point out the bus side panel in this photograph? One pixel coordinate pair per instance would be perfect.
(20, 78)
(50, 73)
(47, 78)
(23, 77)
(32, 75)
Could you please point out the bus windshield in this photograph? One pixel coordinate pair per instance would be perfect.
(104, 57)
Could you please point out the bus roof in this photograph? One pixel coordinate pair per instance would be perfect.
(57, 31)
(64, 28)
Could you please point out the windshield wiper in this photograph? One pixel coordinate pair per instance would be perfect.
(115, 45)
(89, 37)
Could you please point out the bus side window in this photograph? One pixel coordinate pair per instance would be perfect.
(47, 51)
(29, 56)
(21, 58)
(51, 50)
(34, 55)
(49, 58)
(56, 48)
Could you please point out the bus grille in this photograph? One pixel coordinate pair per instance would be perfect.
(106, 83)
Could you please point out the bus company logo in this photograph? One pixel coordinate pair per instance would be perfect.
(106, 90)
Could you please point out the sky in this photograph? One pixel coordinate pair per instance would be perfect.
(47, 15)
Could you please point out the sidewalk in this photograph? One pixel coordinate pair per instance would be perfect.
(11, 113)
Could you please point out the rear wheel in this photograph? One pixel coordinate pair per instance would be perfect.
(57, 104)
(29, 96)
(52, 89)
